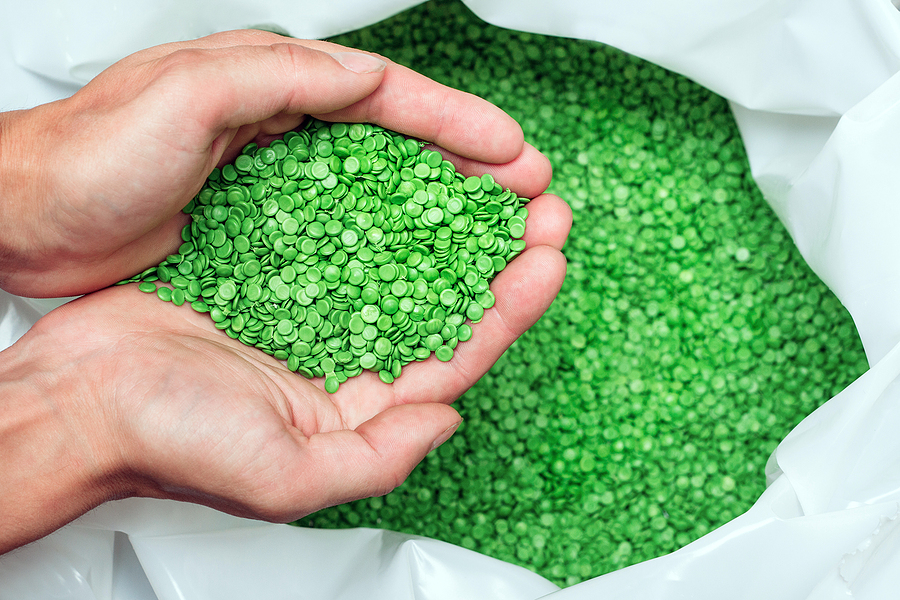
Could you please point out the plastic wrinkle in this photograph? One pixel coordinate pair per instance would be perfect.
(199, 554)
(16, 317)
(797, 57)
(844, 454)
(75, 43)
(868, 570)
(842, 214)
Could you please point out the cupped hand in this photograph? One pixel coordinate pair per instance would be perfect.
(152, 400)
(94, 184)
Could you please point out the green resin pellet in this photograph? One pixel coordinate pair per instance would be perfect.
(353, 252)
(486, 300)
(688, 339)
(475, 312)
(147, 287)
(444, 353)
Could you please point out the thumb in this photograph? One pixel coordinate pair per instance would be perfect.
(378, 455)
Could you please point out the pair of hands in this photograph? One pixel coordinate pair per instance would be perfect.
(118, 394)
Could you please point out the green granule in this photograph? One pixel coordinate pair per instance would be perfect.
(342, 248)
(688, 340)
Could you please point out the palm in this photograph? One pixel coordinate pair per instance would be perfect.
(198, 416)
(133, 396)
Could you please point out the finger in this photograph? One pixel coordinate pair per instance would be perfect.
(235, 86)
(222, 39)
(262, 134)
(527, 175)
(405, 101)
(415, 105)
(374, 458)
(549, 222)
(524, 291)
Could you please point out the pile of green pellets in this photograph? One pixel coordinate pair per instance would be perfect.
(689, 337)
(342, 248)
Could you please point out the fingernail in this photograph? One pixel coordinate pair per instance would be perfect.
(445, 436)
(359, 62)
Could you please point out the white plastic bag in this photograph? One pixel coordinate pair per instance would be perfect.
(53, 47)
(813, 88)
(173, 551)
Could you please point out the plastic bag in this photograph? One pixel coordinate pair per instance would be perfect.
(56, 47)
(172, 551)
(813, 89)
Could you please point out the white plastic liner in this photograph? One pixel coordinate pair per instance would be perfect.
(813, 86)
(172, 550)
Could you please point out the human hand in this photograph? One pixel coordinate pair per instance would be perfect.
(94, 184)
(119, 394)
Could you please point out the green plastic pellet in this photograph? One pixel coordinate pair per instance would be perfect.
(243, 163)
(472, 184)
(516, 227)
(475, 312)
(486, 300)
(370, 312)
(296, 248)
(689, 337)
(444, 353)
(448, 297)
(147, 287)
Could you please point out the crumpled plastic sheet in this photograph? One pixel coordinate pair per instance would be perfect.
(129, 550)
(816, 94)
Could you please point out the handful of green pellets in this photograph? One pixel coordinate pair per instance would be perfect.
(342, 248)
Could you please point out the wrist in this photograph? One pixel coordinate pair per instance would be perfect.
(24, 181)
(53, 468)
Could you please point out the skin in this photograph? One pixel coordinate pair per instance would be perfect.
(118, 394)
(94, 184)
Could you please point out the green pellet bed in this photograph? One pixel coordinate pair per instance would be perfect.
(342, 248)
(689, 337)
